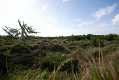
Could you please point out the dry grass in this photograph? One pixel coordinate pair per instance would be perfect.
(100, 68)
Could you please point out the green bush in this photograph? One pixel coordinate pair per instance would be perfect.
(22, 54)
(53, 61)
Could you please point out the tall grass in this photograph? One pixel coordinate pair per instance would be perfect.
(99, 68)
(103, 66)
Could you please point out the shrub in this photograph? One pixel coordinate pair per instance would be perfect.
(3, 65)
(22, 54)
(53, 61)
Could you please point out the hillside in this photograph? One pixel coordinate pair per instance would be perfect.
(81, 57)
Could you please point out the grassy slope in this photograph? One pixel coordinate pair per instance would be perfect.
(98, 59)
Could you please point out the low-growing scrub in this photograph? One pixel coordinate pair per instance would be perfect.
(60, 58)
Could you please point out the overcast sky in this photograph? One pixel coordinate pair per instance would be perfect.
(62, 17)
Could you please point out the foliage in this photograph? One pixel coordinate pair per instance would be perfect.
(12, 32)
(23, 32)
(83, 57)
